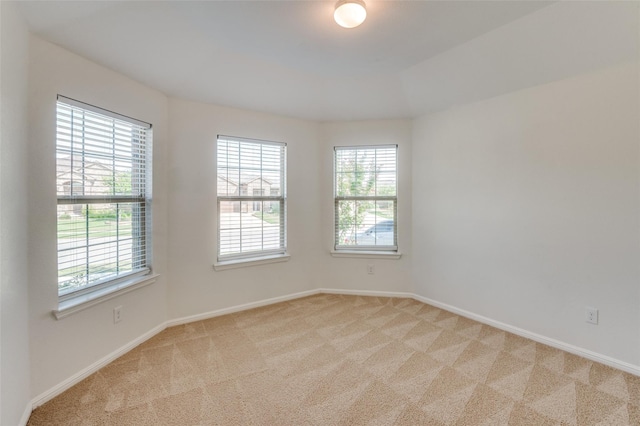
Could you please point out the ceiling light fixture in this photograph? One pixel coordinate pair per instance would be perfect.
(350, 13)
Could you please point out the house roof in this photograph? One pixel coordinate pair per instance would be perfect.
(245, 180)
(64, 164)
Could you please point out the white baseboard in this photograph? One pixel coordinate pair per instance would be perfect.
(26, 414)
(585, 353)
(238, 308)
(58, 389)
(86, 372)
(372, 293)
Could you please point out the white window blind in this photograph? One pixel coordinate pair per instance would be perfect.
(103, 178)
(365, 197)
(251, 181)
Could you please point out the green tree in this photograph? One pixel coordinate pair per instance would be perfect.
(119, 183)
(355, 177)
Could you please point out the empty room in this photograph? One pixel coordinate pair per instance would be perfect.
(320, 212)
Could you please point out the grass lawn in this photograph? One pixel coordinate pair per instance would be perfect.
(76, 227)
(272, 218)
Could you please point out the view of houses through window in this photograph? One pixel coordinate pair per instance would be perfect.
(102, 169)
(251, 198)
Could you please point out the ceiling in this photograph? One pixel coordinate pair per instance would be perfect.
(289, 57)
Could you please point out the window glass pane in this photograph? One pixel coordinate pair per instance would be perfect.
(98, 241)
(254, 225)
(348, 218)
(249, 226)
(97, 155)
(230, 227)
(102, 167)
(359, 223)
(385, 183)
(365, 187)
(364, 172)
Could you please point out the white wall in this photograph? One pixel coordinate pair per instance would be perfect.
(523, 208)
(61, 348)
(527, 209)
(351, 273)
(561, 40)
(196, 287)
(14, 320)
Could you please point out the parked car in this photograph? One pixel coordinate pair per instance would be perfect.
(380, 234)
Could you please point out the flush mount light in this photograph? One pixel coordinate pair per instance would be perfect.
(350, 13)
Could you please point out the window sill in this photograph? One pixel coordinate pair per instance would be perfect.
(254, 261)
(367, 254)
(84, 301)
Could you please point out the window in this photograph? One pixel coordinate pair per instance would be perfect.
(103, 175)
(365, 198)
(251, 198)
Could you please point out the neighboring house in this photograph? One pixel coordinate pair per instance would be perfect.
(85, 178)
(251, 186)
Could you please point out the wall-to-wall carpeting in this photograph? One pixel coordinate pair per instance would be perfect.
(334, 359)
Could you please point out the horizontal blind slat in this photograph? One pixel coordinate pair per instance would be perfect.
(103, 164)
(251, 197)
(365, 197)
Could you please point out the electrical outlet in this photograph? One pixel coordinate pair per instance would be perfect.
(117, 314)
(370, 270)
(591, 315)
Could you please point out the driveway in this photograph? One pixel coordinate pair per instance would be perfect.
(241, 232)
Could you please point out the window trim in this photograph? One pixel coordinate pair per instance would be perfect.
(251, 261)
(103, 111)
(80, 302)
(362, 254)
(257, 257)
(364, 251)
(111, 286)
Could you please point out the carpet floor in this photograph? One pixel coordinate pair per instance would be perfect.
(346, 360)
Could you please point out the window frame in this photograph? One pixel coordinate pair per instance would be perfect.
(254, 257)
(142, 199)
(364, 250)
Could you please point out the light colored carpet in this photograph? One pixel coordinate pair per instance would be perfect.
(346, 360)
